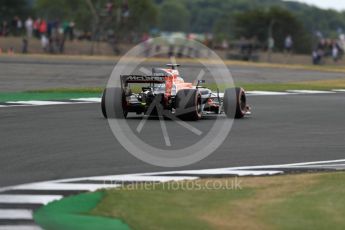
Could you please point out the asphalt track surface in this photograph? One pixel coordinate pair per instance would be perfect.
(66, 141)
(29, 73)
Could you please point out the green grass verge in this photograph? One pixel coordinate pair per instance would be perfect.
(287, 86)
(280, 87)
(307, 201)
(72, 213)
(48, 95)
(164, 209)
(304, 85)
(320, 206)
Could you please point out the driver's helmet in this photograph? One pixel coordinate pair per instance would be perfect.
(169, 72)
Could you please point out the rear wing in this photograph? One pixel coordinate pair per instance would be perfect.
(159, 79)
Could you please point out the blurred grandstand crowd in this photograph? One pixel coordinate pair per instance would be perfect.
(328, 48)
(53, 34)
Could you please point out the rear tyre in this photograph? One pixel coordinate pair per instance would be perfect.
(188, 105)
(113, 103)
(238, 99)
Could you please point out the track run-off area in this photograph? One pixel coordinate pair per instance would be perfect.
(53, 140)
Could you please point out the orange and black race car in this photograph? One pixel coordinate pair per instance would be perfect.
(165, 92)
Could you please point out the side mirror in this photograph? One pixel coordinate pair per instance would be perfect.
(200, 82)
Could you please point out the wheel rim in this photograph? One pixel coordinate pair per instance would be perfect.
(198, 107)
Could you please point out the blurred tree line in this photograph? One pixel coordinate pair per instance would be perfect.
(275, 22)
(252, 18)
(11, 8)
(225, 19)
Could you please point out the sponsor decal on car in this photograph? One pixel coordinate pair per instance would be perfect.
(142, 78)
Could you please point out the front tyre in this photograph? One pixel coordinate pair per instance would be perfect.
(235, 97)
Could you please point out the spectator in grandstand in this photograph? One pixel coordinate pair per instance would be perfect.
(71, 30)
(29, 23)
(36, 27)
(43, 27)
(335, 51)
(25, 44)
(13, 29)
(270, 48)
(44, 42)
(288, 44)
(4, 30)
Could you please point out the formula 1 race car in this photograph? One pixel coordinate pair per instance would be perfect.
(165, 91)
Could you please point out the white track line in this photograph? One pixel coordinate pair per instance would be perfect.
(225, 171)
(55, 184)
(339, 90)
(64, 186)
(252, 168)
(39, 102)
(28, 199)
(13, 214)
(134, 177)
(267, 93)
(90, 99)
(17, 214)
(243, 170)
(19, 105)
(315, 163)
(309, 91)
(19, 227)
(319, 166)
